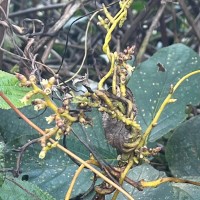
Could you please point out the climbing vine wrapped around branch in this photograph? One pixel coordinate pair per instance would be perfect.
(110, 23)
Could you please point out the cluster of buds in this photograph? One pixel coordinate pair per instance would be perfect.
(103, 22)
(125, 70)
(45, 149)
(39, 104)
(47, 85)
(62, 122)
(27, 97)
(145, 152)
(126, 55)
(24, 81)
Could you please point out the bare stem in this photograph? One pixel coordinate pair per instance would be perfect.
(149, 32)
(156, 183)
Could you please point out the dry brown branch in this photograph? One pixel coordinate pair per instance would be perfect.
(190, 19)
(68, 12)
(4, 4)
(149, 32)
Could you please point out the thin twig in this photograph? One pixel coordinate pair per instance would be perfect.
(48, 49)
(32, 10)
(24, 58)
(21, 152)
(148, 34)
(190, 18)
(68, 12)
(156, 183)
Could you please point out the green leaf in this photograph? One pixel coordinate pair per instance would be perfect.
(148, 173)
(2, 160)
(151, 86)
(183, 149)
(187, 191)
(14, 188)
(94, 136)
(184, 191)
(9, 85)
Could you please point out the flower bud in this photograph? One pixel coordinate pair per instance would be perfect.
(52, 81)
(50, 118)
(47, 91)
(32, 78)
(22, 79)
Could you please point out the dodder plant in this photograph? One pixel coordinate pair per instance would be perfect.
(120, 114)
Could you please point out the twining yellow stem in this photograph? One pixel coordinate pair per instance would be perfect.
(105, 98)
(110, 72)
(123, 7)
(119, 115)
(108, 15)
(122, 85)
(69, 117)
(114, 81)
(78, 171)
(116, 20)
(123, 175)
(166, 101)
(127, 121)
(159, 181)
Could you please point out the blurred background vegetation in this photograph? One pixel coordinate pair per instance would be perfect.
(151, 25)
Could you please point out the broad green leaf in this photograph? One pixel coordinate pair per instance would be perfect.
(9, 85)
(148, 173)
(151, 86)
(94, 136)
(2, 160)
(183, 149)
(184, 191)
(54, 173)
(14, 188)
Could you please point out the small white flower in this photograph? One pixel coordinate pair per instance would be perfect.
(50, 118)
(24, 100)
(44, 82)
